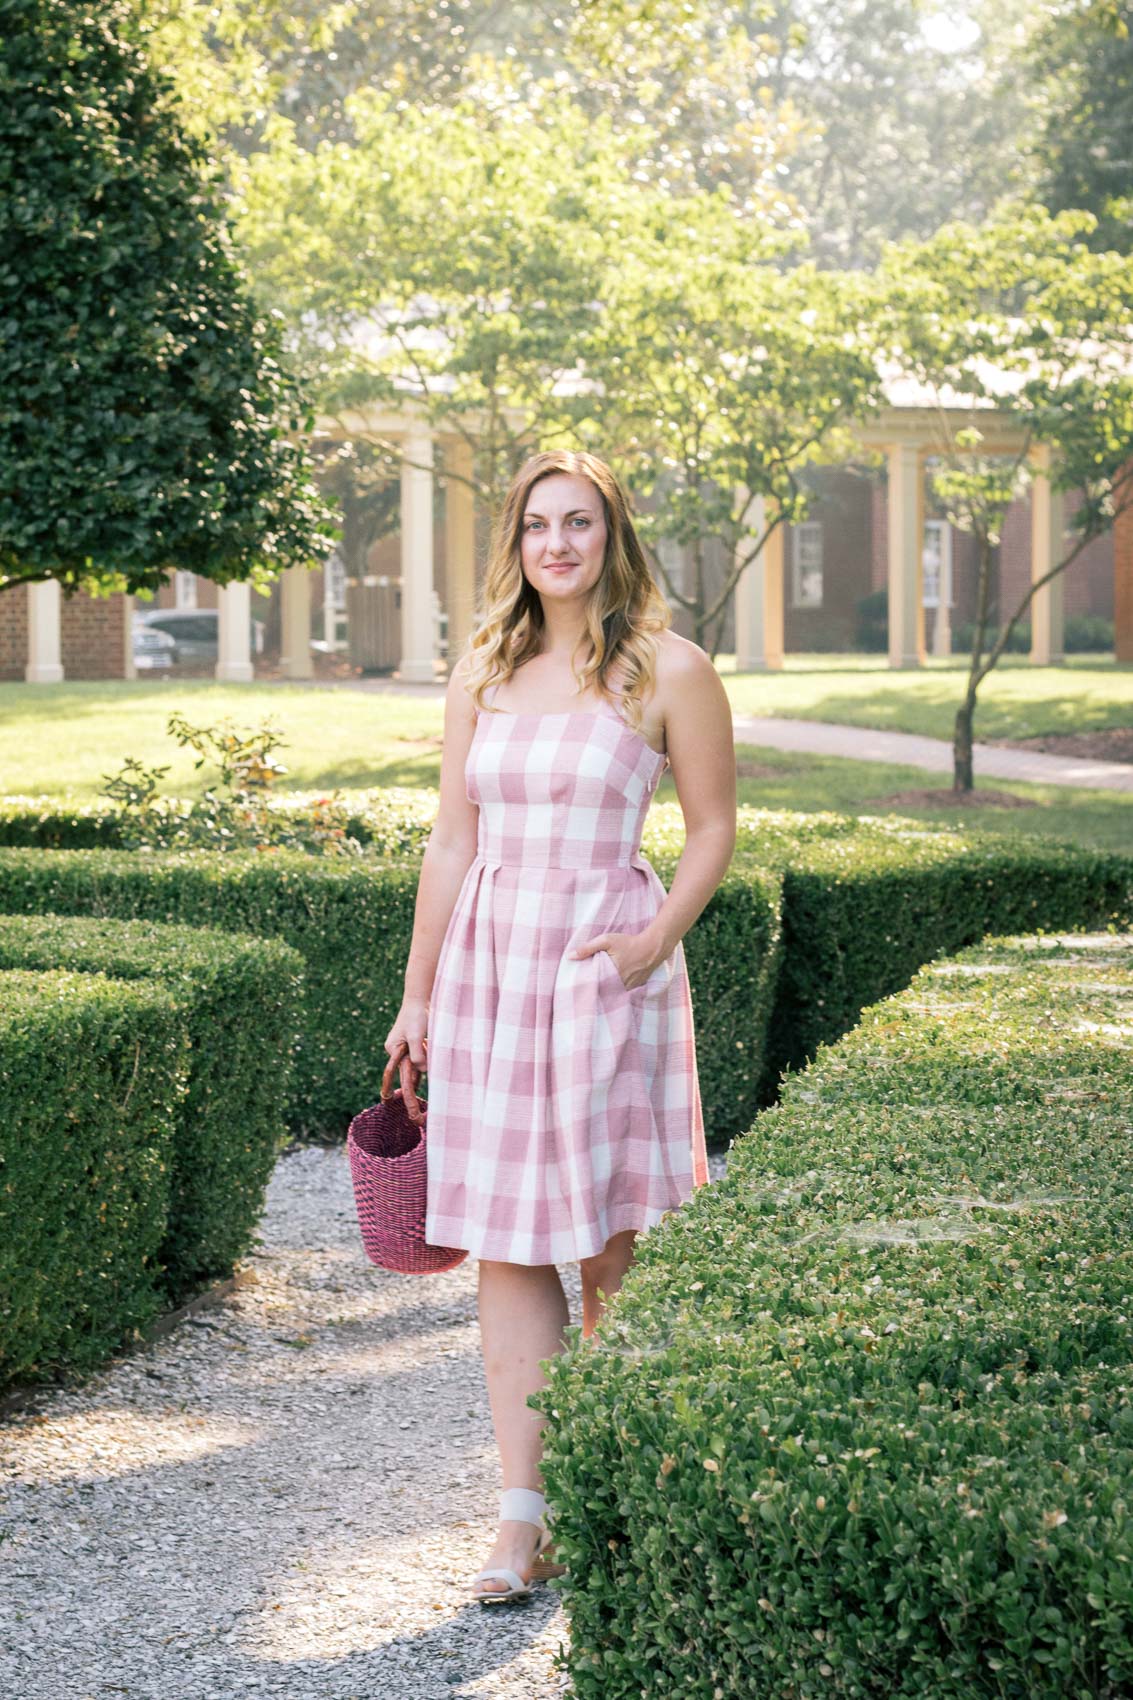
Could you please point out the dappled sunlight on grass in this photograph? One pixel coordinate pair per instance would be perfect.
(59, 740)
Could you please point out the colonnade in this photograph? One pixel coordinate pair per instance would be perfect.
(904, 435)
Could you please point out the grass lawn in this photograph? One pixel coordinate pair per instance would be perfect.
(58, 740)
(1103, 819)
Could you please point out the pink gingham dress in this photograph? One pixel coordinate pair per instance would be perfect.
(562, 1107)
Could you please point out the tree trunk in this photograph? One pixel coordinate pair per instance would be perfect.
(963, 778)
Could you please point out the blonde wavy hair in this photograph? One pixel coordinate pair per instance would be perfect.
(623, 611)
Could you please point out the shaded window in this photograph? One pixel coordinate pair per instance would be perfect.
(936, 563)
(806, 564)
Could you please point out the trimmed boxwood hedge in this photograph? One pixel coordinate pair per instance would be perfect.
(92, 1075)
(818, 916)
(241, 999)
(352, 923)
(867, 901)
(860, 1421)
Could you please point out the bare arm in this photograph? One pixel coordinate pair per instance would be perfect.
(448, 855)
(702, 754)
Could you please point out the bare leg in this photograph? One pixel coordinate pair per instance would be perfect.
(523, 1315)
(604, 1273)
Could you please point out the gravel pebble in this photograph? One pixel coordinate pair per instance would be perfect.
(286, 1497)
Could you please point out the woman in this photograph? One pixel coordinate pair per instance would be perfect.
(546, 993)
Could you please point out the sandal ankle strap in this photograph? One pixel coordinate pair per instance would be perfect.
(523, 1505)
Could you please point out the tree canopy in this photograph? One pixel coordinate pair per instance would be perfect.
(146, 418)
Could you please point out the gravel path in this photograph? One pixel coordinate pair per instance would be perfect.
(287, 1496)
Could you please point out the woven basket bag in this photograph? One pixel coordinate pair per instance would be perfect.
(386, 1147)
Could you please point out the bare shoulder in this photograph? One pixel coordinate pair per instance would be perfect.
(686, 677)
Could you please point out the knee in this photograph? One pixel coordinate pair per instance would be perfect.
(611, 1263)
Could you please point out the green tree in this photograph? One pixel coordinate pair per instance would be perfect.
(450, 261)
(717, 376)
(146, 419)
(1021, 316)
(1082, 67)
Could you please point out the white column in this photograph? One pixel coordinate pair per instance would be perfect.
(129, 671)
(416, 665)
(295, 623)
(233, 660)
(759, 594)
(45, 644)
(1047, 549)
(906, 540)
(460, 549)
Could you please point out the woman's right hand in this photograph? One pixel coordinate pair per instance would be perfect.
(409, 1036)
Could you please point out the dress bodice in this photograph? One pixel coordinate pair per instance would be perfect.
(561, 790)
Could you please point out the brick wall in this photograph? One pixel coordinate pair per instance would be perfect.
(1087, 584)
(841, 504)
(92, 631)
(1123, 583)
(13, 632)
(93, 637)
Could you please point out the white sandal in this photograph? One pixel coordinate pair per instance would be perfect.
(521, 1505)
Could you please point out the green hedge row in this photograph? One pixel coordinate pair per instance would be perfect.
(860, 1421)
(818, 916)
(867, 901)
(394, 820)
(352, 922)
(93, 1073)
(240, 1001)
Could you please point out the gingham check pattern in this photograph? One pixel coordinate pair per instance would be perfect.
(563, 1107)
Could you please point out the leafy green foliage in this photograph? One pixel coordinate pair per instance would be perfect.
(859, 1419)
(1020, 315)
(239, 1001)
(85, 1163)
(452, 258)
(717, 377)
(1081, 63)
(146, 420)
(237, 816)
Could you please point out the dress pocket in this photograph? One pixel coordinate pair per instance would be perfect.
(657, 983)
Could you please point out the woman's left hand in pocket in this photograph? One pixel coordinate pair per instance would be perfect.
(635, 955)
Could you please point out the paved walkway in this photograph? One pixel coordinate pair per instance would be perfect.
(859, 743)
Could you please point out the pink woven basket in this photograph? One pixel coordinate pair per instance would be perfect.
(386, 1147)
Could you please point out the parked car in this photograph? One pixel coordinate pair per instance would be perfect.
(153, 649)
(194, 632)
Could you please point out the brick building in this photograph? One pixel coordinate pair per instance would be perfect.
(806, 596)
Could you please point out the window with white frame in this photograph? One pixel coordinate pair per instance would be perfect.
(806, 564)
(184, 589)
(936, 564)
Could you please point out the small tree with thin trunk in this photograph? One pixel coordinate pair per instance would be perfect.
(1021, 317)
(451, 261)
(718, 375)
